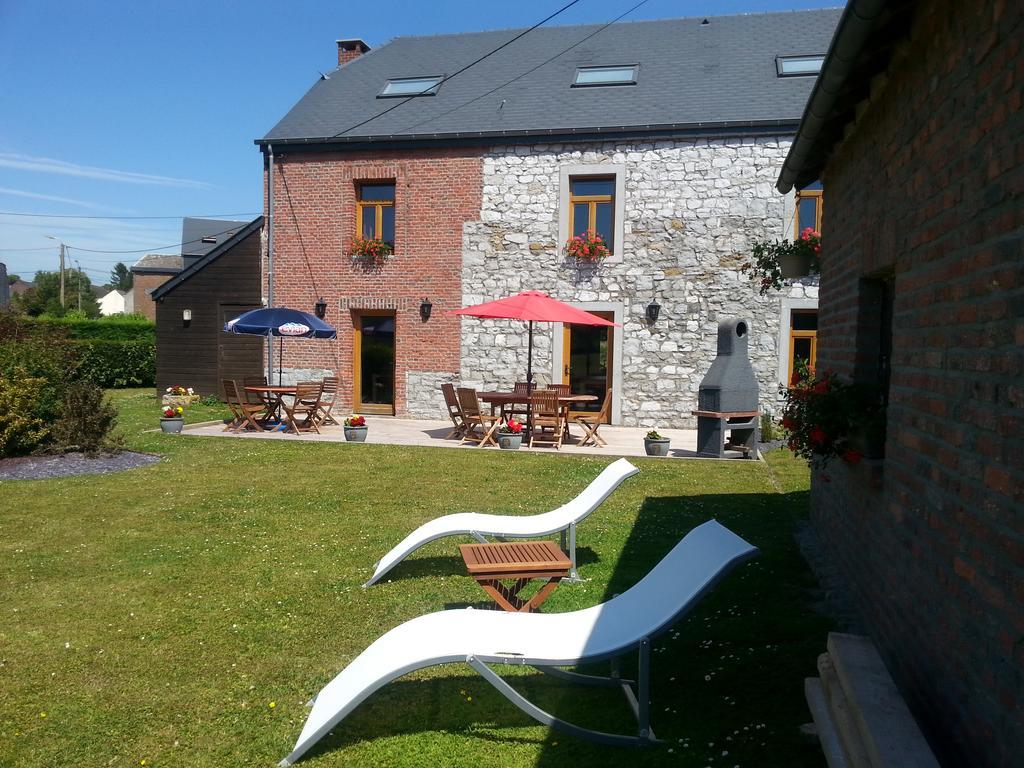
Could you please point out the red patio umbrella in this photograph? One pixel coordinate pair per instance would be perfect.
(533, 306)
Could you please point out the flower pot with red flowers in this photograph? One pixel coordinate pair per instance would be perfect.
(779, 260)
(826, 418)
(370, 251)
(588, 247)
(355, 429)
(172, 419)
(510, 435)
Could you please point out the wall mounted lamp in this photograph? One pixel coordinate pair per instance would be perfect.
(186, 317)
(425, 309)
(320, 308)
(653, 311)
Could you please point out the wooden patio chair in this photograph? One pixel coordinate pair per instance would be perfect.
(306, 403)
(513, 410)
(244, 414)
(562, 390)
(547, 413)
(451, 401)
(591, 422)
(328, 397)
(265, 399)
(487, 423)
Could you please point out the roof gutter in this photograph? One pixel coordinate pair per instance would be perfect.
(787, 125)
(851, 34)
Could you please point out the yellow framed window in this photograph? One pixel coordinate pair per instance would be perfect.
(803, 339)
(592, 207)
(375, 211)
(808, 209)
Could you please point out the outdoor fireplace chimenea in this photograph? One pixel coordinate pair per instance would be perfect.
(727, 400)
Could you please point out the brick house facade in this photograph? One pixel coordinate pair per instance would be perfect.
(480, 214)
(921, 157)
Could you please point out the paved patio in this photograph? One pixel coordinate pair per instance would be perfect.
(622, 441)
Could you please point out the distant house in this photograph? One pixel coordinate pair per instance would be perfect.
(665, 137)
(198, 237)
(192, 307)
(116, 302)
(916, 129)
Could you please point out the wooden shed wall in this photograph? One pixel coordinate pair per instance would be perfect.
(201, 354)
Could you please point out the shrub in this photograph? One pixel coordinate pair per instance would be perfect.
(86, 422)
(116, 363)
(21, 429)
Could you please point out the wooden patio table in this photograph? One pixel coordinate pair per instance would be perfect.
(274, 397)
(518, 561)
(496, 399)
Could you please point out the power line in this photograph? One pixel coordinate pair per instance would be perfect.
(74, 216)
(524, 74)
(455, 74)
(22, 250)
(156, 247)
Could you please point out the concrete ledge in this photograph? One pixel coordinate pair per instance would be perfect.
(860, 716)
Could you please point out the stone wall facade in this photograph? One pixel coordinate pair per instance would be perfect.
(690, 211)
(928, 188)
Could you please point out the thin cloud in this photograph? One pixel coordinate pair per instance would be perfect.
(63, 168)
(52, 198)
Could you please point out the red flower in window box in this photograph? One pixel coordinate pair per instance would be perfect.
(589, 246)
(370, 249)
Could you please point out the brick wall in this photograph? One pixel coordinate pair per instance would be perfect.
(436, 192)
(141, 287)
(929, 183)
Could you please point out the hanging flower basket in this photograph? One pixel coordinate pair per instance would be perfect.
(778, 260)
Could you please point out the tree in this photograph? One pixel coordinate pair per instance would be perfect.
(12, 279)
(44, 296)
(121, 278)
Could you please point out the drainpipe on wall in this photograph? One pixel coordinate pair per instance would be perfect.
(270, 260)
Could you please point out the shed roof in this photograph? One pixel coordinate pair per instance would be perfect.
(215, 253)
(714, 72)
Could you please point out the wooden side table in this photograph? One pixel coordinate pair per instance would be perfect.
(517, 561)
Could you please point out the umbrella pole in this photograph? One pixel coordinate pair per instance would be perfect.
(280, 357)
(529, 383)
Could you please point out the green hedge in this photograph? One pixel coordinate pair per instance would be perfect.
(116, 363)
(123, 328)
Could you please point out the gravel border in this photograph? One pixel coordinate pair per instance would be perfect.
(72, 465)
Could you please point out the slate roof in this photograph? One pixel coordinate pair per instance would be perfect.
(162, 263)
(193, 231)
(719, 74)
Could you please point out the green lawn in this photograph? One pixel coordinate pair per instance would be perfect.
(183, 613)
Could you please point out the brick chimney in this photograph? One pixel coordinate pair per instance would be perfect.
(351, 49)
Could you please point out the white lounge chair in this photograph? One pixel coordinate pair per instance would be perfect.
(542, 640)
(479, 525)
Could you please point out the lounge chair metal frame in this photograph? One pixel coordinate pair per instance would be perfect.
(562, 520)
(545, 641)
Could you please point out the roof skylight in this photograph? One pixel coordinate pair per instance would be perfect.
(618, 75)
(792, 66)
(412, 86)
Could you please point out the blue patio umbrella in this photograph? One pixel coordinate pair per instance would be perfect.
(281, 322)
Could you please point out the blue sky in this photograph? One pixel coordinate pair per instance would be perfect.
(138, 109)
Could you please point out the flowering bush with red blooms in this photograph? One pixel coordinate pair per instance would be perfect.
(511, 427)
(587, 247)
(823, 414)
(370, 249)
(355, 421)
(765, 267)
